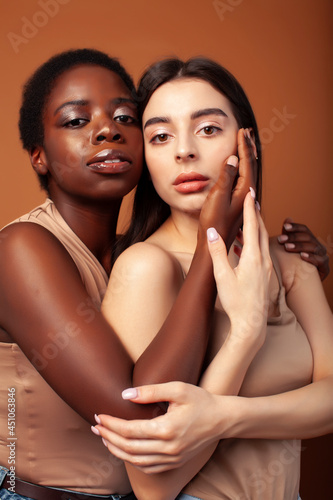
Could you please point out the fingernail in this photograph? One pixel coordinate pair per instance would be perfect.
(131, 393)
(258, 205)
(287, 226)
(233, 161)
(95, 431)
(98, 420)
(282, 238)
(253, 193)
(212, 234)
(304, 254)
(248, 134)
(289, 246)
(105, 442)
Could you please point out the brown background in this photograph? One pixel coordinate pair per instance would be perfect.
(280, 50)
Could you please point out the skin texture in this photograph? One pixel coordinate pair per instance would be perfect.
(184, 146)
(40, 285)
(189, 145)
(297, 238)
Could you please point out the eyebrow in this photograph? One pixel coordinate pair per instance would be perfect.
(83, 102)
(194, 115)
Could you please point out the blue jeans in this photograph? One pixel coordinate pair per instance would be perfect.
(183, 496)
(9, 495)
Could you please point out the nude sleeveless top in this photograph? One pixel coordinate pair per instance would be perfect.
(263, 469)
(53, 445)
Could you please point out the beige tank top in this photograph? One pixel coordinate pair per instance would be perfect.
(262, 469)
(53, 445)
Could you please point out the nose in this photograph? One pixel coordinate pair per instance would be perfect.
(185, 149)
(107, 131)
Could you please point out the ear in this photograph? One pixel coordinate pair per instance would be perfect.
(253, 141)
(38, 160)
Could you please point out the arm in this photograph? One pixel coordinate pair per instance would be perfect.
(297, 238)
(244, 295)
(189, 321)
(299, 414)
(42, 297)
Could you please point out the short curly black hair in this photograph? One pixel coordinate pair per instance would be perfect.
(39, 86)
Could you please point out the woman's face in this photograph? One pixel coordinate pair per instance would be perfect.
(92, 139)
(189, 132)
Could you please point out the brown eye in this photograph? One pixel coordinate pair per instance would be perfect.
(160, 138)
(209, 130)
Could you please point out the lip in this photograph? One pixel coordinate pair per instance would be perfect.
(190, 182)
(110, 161)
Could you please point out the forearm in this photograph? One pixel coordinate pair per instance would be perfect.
(183, 336)
(226, 372)
(167, 485)
(300, 414)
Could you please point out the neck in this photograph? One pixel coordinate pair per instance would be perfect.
(94, 223)
(183, 230)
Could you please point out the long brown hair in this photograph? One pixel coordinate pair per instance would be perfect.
(149, 210)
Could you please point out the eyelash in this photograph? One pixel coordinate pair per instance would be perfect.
(154, 140)
(129, 119)
(70, 124)
(214, 128)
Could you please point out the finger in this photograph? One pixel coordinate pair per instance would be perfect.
(155, 429)
(219, 255)
(311, 247)
(247, 165)
(227, 175)
(169, 391)
(294, 227)
(264, 243)
(250, 227)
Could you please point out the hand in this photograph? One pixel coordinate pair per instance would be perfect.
(223, 207)
(243, 291)
(168, 441)
(298, 238)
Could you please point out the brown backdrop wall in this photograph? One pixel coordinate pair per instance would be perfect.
(280, 50)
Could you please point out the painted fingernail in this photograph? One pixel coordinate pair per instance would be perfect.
(131, 393)
(287, 226)
(289, 246)
(233, 161)
(304, 254)
(105, 442)
(95, 431)
(258, 205)
(282, 238)
(98, 420)
(253, 193)
(212, 234)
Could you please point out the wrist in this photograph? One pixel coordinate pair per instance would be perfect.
(244, 335)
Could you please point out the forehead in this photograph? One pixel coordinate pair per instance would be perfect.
(88, 82)
(184, 95)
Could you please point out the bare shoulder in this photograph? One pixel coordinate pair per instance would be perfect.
(147, 259)
(30, 250)
(291, 266)
(24, 240)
